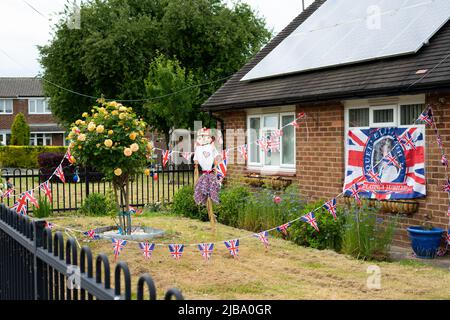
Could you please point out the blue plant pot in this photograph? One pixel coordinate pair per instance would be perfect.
(425, 243)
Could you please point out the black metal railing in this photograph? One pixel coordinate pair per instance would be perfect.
(36, 264)
(69, 196)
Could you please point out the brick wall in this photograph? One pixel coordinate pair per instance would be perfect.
(320, 159)
(21, 105)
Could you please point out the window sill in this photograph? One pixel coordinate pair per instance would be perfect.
(280, 172)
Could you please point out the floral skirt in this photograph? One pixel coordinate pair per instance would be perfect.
(207, 186)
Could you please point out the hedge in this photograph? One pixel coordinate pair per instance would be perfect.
(24, 156)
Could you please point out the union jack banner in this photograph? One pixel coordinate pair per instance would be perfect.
(427, 117)
(389, 163)
(21, 205)
(29, 195)
(264, 238)
(118, 246)
(233, 247)
(176, 250)
(92, 234)
(311, 219)
(283, 228)
(60, 174)
(147, 249)
(243, 151)
(45, 187)
(444, 161)
(206, 249)
(166, 155)
(330, 206)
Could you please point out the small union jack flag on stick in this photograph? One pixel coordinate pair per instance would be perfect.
(233, 247)
(283, 228)
(243, 151)
(264, 238)
(21, 205)
(311, 219)
(118, 246)
(45, 187)
(330, 206)
(92, 234)
(166, 155)
(60, 174)
(206, 249)
(355, 193)
(176, 250)
(147, 249)
(427, 117)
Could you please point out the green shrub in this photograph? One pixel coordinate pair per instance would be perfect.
(366, 236)
(25, 156)
(20, 131)
(44, 210)
(97, 204)
(184, 204)
(232, 201)
(330, 230)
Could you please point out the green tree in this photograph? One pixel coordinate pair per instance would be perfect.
(20, 131)
(110, 54)
(170, 111)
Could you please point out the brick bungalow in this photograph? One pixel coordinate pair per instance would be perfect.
(393, 90)
(26, 95)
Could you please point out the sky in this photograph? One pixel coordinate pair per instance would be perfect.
(25, 24)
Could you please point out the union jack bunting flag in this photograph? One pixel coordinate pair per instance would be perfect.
(166, 155)
(264, 238)
(444, 161)
(29, 195)
(427, 117)
(60, 174)
(45, 187)
(49, 225)
(221, 168)
(186, 155)
(448, 238)
(243, 151)
(295, 124)
(388, 163)
(118, 246)
(69, 157)
(446, 186)
(21, 205)
(448, 210)
(206, 249)
(8, 193)
(354, 190)
(147, 249)
(301, 115)
(176, 250)
(407, 141)
(273, 143)
(233, 247)
(92, 234)
(277, 133)
(439, 141)
(262, 143)
(330, 206)
(283, 228)
(311, 219)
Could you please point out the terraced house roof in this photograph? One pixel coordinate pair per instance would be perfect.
(427, 69)
(21, 87)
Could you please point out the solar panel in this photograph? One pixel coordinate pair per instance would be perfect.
(348, 31)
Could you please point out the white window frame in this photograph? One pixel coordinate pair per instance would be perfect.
(287, 168)
(3, 137)
(393, 102)
(3, 106)
(45, 135)
(34, 100)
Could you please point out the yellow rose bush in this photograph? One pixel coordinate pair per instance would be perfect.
(102, 140)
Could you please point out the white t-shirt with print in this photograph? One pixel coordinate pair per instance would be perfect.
(205, 156)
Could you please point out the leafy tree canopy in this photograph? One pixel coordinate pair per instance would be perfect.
(111, 53)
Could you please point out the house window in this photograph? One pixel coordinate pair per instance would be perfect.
(38, 106)
(40, 139)
(263, 126)
(6, 106)
(5, 138)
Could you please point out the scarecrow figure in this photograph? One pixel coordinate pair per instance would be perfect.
(207, 186)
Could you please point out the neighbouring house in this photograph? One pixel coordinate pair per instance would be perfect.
(360, 66)
(27, 96)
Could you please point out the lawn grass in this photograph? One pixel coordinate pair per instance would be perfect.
(286, 271)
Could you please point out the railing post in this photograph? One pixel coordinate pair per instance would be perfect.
(39, 227)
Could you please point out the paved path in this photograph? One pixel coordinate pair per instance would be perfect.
(400, 253)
